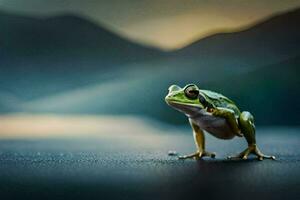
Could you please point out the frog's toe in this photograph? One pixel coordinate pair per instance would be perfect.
(266, 157)
(254, 150)
(199, 155)
(183, 157)
(262, 156)
(193, 155)
(243, 155)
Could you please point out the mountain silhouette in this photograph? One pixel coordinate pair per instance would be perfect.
(272, 40)
(48, 55)
(66, 35)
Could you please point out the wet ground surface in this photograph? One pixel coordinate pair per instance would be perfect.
(140, 168)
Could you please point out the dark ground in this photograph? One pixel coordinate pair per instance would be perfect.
(139, 168)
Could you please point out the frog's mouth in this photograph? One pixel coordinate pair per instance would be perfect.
(187, 108)
(175, 103)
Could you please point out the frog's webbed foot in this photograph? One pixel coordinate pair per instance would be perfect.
(254, 150)
(198, 155)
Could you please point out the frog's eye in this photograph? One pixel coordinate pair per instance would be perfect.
(191, 92)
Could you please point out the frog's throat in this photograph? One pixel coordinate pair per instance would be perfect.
(189, 110)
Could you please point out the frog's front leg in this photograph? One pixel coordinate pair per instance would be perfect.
(199, 139)
(246, 122)
(229, 115)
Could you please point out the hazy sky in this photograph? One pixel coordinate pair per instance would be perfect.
(164, 23)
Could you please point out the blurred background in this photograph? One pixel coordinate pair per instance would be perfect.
(119, 57)
(85, 69)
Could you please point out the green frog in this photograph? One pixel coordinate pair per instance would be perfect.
(216, 114)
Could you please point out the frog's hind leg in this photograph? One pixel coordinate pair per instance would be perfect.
(246, 123)
(200, 144)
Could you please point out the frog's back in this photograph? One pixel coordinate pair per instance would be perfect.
(222, 101)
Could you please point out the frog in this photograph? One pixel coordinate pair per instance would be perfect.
(213, 113)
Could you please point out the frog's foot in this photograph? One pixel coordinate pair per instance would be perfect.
(199, 155)
(251, 149)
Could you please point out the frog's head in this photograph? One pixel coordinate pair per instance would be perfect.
(184, 99)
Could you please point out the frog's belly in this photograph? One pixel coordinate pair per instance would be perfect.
(217, 126)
